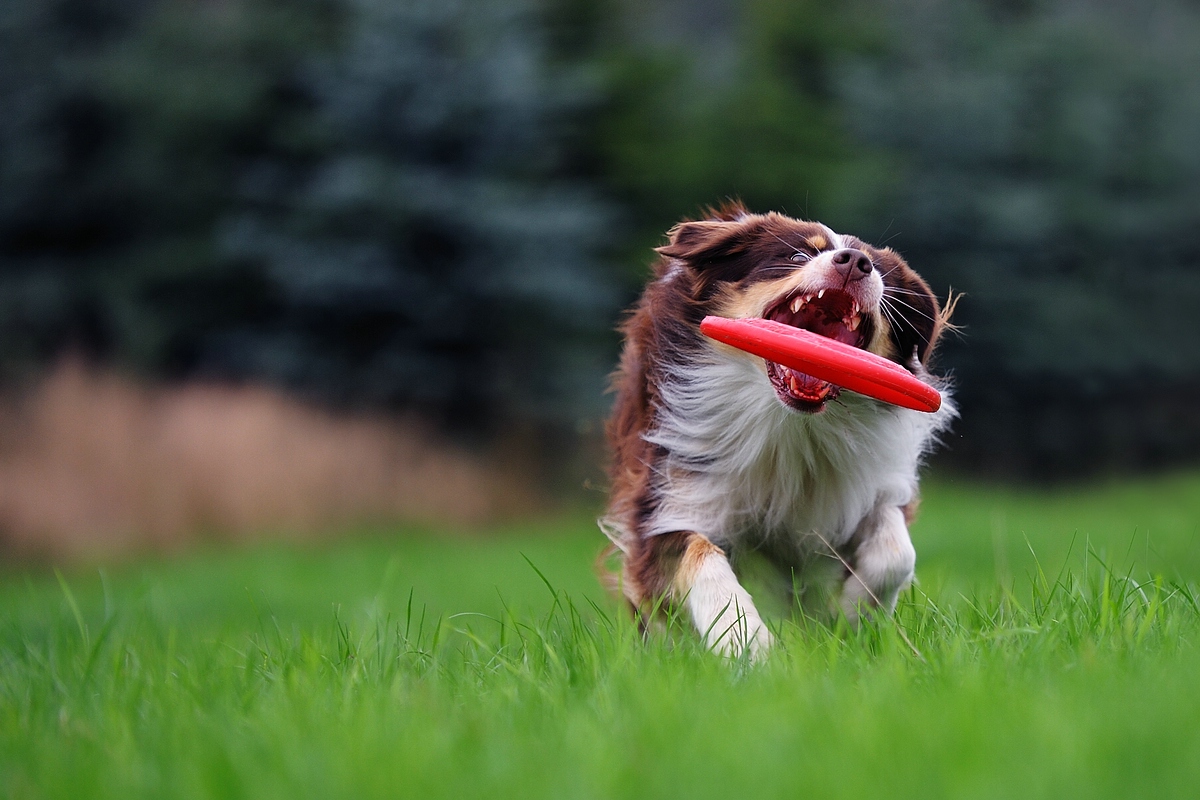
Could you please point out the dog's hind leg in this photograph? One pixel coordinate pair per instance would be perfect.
(881, 566)
(687, 570)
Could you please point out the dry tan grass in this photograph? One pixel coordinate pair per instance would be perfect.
(92, 463)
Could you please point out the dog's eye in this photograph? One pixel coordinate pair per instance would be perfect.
(800, 258)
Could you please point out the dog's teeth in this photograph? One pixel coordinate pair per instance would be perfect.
(853, 323)
(820, 294)
(797, 304)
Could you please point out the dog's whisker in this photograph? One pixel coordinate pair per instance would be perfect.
(893, 313)
(896, 317)
(891, 290)
(914, 308)
(785, 243)
(888, 312)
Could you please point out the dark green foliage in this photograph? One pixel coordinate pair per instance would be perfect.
(743, 107)
(431, 255)
(441, 206)
(1040, 158)
(1050, 171)
(362, 202)
(129, 141)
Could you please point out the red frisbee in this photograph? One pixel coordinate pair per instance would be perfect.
(826, 359)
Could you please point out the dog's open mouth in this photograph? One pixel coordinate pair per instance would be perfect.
(828, 312)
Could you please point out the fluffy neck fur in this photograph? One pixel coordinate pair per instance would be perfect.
(741, 466)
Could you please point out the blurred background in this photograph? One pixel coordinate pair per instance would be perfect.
(289, 266)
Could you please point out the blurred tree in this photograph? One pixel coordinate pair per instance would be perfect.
(432, 255)
(52, 134)
(411, 204)
(1039, 156)
(727, 99)
(361, 201)
(130, 125)
(1049, 168)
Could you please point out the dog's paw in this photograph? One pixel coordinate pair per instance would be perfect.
(746, 637)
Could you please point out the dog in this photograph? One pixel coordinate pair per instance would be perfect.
(716, 453)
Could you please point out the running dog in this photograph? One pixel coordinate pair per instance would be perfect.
(716, 453)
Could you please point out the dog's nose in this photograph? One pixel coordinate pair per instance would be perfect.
(852, 264)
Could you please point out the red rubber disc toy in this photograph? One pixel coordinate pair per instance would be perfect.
(826, 359)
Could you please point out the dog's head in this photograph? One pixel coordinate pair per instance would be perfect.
(802, 273)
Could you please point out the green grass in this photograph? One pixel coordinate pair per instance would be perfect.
(411, 664)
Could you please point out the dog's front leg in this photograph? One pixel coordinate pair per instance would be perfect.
(720, 608)
(694, 574)
(882, 565)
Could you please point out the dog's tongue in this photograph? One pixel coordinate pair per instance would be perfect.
(808, 383)
(806, 386)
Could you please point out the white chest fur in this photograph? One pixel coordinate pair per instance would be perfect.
(740, 465)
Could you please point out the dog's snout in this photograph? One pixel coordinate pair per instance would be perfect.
(852, 264)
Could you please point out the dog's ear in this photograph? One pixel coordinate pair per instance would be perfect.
(716, 250)
(705, 241)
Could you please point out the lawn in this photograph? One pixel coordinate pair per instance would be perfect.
(1049, 650)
